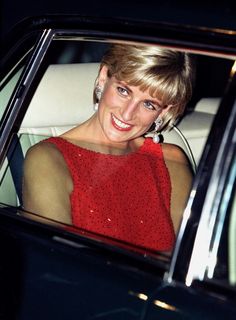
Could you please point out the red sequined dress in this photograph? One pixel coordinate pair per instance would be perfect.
(126, 197)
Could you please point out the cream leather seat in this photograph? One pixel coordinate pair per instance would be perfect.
(63, 99)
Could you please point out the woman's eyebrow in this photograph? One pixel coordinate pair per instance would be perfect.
(156, 101)
(152, 100)
(123, 84)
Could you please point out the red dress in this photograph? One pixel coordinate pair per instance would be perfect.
(126, 197)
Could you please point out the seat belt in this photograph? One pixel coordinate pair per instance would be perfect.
(15, 158)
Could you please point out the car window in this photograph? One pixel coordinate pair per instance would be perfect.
(12, 67)
(7, 87)
(63, 99)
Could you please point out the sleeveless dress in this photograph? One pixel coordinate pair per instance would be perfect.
(125, 197)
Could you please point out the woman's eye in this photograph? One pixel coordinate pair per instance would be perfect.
(149, 105)
(122, 91)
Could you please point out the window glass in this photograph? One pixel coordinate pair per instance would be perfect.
(7, 87)
(12, 66)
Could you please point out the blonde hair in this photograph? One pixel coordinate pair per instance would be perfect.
(167, 74)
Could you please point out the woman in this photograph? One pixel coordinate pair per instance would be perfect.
(104, 175)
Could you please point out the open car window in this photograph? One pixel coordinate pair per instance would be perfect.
(13, 65)
(63, 99)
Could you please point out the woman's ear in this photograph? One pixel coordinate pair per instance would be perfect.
(102, 77)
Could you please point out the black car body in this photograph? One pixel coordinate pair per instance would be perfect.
(60, 272)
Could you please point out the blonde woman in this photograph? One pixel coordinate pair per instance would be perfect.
(104, 176)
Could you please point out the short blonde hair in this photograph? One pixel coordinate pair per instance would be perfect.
(167, 74)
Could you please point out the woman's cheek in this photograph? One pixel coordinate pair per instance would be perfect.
(111, 100)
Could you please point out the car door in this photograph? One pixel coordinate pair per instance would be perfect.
(56, 271)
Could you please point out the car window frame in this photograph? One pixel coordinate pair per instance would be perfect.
(39, 52)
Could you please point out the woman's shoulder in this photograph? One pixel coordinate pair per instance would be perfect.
(43, 148)
(172, 152)
(44, 152)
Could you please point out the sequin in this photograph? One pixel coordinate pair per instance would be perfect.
(124, 197)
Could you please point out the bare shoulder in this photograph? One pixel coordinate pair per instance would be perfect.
(47, 183)
(45, 154)
(44, 159)
(174, 153)
(44, 150)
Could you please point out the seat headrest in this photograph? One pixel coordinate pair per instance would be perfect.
(58, 102)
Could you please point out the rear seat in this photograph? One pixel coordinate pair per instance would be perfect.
(63, 99)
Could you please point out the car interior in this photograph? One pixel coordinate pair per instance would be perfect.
(55, 109)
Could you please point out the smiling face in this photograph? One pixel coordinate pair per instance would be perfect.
(125, 112)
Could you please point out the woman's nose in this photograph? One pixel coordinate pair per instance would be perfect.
(129, 110)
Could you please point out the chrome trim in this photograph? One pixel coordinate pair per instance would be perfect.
(15, 66)
(130, 38)
(221, 216)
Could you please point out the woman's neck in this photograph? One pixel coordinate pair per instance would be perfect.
(89, 135)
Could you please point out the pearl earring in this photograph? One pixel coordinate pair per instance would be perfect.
(156, 136)
(98, 93)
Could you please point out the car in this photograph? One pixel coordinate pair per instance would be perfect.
(55, 271)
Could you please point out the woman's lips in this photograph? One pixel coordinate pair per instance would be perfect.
(120, 125)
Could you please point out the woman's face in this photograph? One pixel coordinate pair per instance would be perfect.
(125, 112)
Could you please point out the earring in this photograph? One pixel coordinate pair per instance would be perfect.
(98, 93)
(157, 136)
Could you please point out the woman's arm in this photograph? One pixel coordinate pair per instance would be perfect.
(181, 180)
(47, 183)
